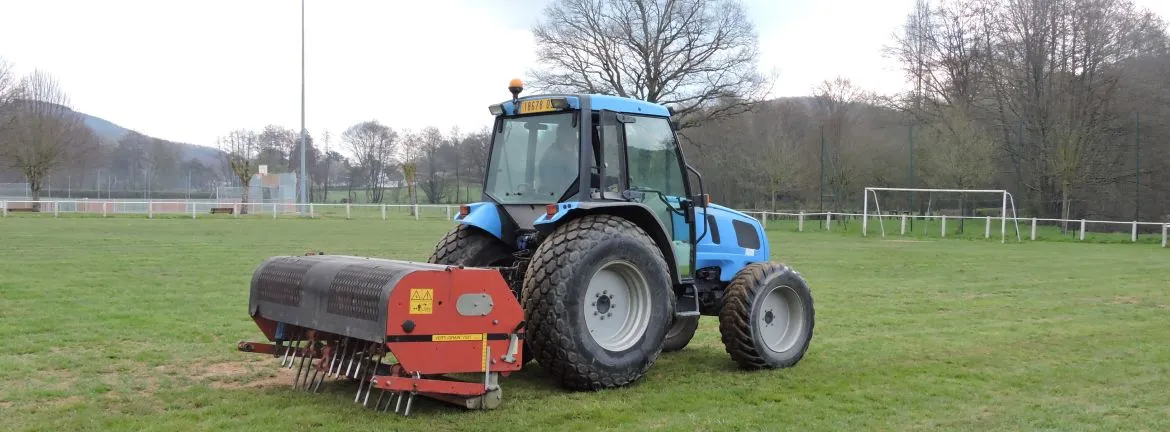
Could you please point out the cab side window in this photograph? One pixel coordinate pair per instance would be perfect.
(652, 156)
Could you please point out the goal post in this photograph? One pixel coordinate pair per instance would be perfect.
(1007, 203)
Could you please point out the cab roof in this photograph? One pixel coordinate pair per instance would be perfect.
(599, 102)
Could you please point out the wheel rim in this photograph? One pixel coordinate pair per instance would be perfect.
(780, 318)
(617, 306)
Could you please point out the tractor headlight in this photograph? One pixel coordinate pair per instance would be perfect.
(496, 109)
(559, 103)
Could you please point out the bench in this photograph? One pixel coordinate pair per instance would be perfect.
(219, 210)
(23, 210)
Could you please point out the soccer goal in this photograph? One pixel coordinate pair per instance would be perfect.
(1005, 199)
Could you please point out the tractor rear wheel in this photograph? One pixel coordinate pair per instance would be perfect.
(680, 333)
(767, 316)
(597, 297)
(469, 246)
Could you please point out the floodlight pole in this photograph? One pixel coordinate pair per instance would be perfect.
(302, 196)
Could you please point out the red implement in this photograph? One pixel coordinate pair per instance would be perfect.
(340, 316)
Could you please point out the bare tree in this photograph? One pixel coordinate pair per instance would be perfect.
(44, 132)
(839, 102)
(409, 154)
(961, 154)
(777, 129)
(692, 55)
(321, 169)
(372, 144)
(431, 146)
(7, 94)
(240, 149)
(475, 148)
(1057, 66)
(455, 156)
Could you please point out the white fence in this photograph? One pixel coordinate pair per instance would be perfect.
(1024, 227)
(195, 209)
(884, 225)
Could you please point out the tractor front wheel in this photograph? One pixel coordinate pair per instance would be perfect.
(596, 296)
(767, 316)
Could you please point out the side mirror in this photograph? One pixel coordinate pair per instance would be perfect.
(702, 200)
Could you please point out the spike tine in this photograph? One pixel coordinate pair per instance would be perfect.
(301, 365)
(296, 350)
(288, 350)
(378, 402)
(362, 378)
(349, 369)
(389, 401)
(339, 350)
(353, 354)
(408, 401)
(357, 372)
(338, 357)
(292, 359)
(316, 370)
(358, 377)
(287, 345)
(321, 368)
(373, 373)
(335, 370)
(398, 402)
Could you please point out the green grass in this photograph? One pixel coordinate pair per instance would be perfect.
(131, 324)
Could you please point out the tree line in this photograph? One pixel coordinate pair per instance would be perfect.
(1062, 102)
(427, 165)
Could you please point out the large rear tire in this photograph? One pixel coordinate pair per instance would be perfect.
(469, 246)
(767, 316)
(597, 299)
(680, 334)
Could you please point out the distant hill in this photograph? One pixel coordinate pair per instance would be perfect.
(110, 133)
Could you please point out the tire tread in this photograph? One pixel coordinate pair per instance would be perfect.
(735, 315)
(546, 280)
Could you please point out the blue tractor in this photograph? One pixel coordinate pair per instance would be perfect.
(590, 212)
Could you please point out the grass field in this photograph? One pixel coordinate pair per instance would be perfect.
(131, 324)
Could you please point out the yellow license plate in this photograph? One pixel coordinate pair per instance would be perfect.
(536, 105)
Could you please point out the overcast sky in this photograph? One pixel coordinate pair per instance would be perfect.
(193, 70)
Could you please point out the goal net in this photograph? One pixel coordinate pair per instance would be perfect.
(958, 208)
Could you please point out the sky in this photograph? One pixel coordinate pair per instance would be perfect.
(191, 71)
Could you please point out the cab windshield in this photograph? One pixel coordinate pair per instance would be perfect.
(534, 159)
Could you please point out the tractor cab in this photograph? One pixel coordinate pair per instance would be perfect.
(632, 163)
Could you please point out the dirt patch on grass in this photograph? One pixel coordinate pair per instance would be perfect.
(68, 400)
(1125, 300)
(57, 379)
(243, 374)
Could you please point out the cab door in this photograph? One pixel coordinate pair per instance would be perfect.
(654, 171)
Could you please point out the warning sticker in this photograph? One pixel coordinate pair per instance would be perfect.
(456, 337)
(421, 301)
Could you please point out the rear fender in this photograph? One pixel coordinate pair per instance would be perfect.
(639, 214)
(485, 216)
